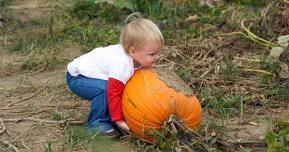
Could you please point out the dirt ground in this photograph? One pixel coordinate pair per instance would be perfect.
(30, 101)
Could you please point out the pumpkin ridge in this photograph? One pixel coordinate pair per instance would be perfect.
(146, 104)
(181, 99)
(196, 115)
(192, 103)
(144, 108)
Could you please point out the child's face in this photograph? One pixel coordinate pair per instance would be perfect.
(147, 55)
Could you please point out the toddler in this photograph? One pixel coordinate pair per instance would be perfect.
(101, 75)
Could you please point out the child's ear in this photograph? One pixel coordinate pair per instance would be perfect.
(131, 51)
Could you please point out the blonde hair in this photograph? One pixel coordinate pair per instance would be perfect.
(139, 32)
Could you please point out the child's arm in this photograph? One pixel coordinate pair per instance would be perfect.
(114, 95)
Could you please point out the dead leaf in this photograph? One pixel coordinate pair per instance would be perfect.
(284, 72)
(192, 18)
(275, 52)
(213, 134)
(253, 123)
(283, 40)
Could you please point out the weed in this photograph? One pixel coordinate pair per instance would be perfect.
(5, 149)
(254, 3)
(90, 37)
(272, 66)
(278, 138)
(184, 73)
(217, 100)
(211, 15)
(207, 137)
(47, 148)
(244, 150)
(153, 8)
(92, 9)
(38, 37)
(4, 11)
(57, 116)
(41, 63)
(4, 3)
(203, 139)
(230, 71)
(277, 91)
(77, 137)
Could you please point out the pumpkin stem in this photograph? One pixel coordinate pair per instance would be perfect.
(180, 131)
(171, 122)
(174, 121)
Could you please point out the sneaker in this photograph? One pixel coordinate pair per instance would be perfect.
(113, 133)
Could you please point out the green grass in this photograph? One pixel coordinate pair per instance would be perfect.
(4, 3)
(33, 36)
(218, 101)
(57, 116)
(42, 62)
(277, 91)
(230, 71)
(254, 3)
(48, 148)
(76, 137)
(5, 149)
(277, 139)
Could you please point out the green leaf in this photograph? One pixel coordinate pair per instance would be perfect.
(124, 4)
(270, 140)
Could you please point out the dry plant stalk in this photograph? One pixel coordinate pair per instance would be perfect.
(250, 35)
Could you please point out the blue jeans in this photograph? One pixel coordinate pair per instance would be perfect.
(95, 91)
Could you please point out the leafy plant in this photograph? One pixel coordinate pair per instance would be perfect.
(230, 71)
(252, 2)
(41, 62)
(48, 148)
(57, 116)
(4, 3)
(151, 8)
(107, 10)
(217, 100)
(277, 91)
(38, 35)
(184, 73)
(277, 140)
(271, 66)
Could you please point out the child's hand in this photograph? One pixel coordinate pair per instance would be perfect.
(122, 125)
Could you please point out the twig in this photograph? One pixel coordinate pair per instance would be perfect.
(22, 142)
(14, 140)
(229, 34)
(259, 71)
(250, 60)
(16, 102)
(186, 147)
(255, 38)
(43, 120)
(205, 73)
(10, 145)
(250, 35)
(6, 72)
(2, 126)
(251, 142)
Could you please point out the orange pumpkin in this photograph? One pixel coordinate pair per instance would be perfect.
(148, 102)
